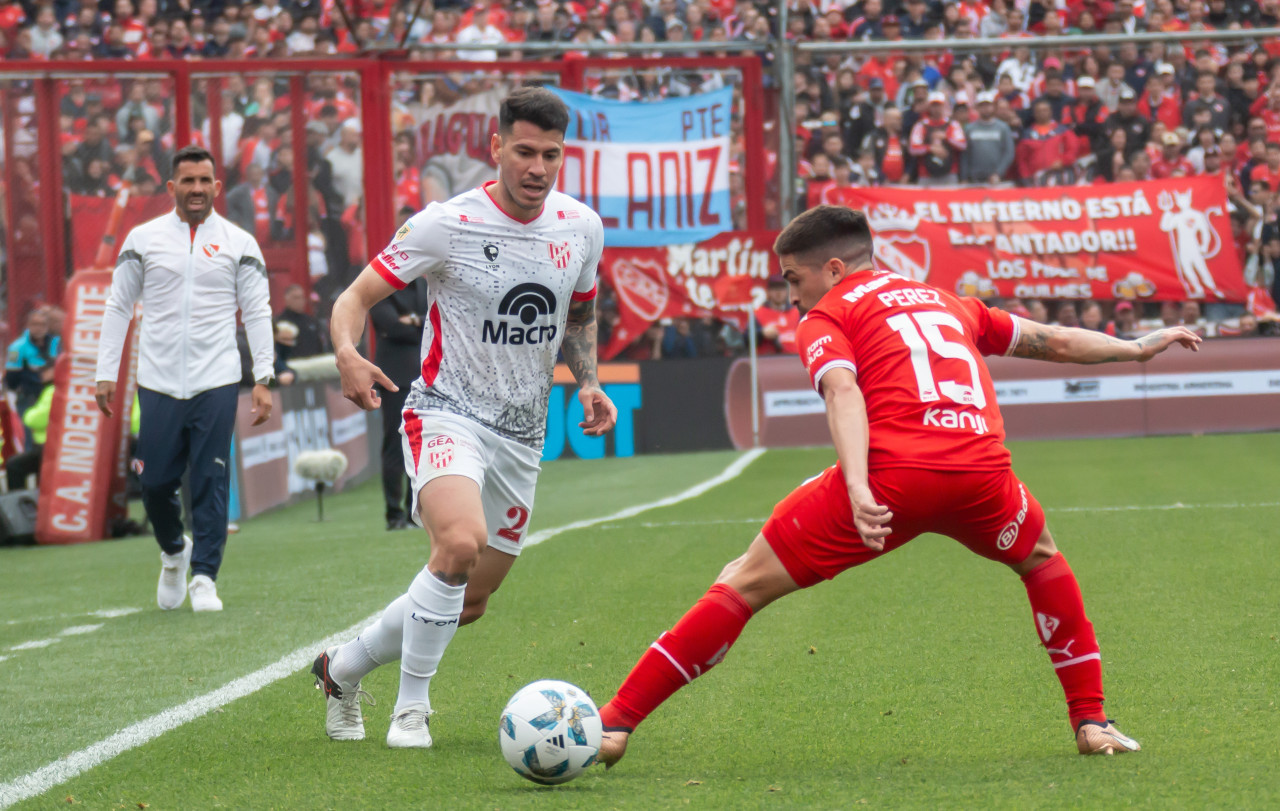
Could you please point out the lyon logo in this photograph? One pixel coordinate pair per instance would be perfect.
(559, 254)
(210, 249)
(440, 452)
(641, 286)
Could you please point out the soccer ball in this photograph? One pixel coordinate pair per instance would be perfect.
(550, 731)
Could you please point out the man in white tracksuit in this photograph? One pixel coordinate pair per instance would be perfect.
(192, 269)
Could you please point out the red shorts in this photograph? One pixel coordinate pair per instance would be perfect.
(991, 512)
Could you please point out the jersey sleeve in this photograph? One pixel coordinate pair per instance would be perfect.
(996, 332)
(585, 289)
(419, 248)
(126, 287)
(823, 347)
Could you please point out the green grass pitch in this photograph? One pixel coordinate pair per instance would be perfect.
(914, 682)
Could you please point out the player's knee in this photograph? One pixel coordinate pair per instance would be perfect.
(458, 545)
(1044, 549)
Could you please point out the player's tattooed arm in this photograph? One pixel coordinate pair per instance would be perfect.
(1074, 345)
(579, 346)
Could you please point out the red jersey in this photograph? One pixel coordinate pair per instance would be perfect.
(915, 350)
(785, 321)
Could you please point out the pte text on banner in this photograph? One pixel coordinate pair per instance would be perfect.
(656, 172)
(1160, 240)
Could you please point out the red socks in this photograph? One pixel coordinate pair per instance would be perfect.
(1067, 634)
(697, 643)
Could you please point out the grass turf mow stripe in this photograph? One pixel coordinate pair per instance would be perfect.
(77, 763)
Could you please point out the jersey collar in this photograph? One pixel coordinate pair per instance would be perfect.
(485, 188)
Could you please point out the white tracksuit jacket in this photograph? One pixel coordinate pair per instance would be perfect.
(191, 282)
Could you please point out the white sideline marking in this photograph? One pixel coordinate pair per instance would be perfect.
(104, 613)
(76, 630)
(77, 763)
(1177, 505)
(33, 644)
(728, 474)
(131, 737)
(112, 613)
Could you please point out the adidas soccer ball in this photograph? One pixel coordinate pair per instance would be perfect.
(550, 731)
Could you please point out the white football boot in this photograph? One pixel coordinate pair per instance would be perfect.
(409, 728)
(171, 591)
(342, 718)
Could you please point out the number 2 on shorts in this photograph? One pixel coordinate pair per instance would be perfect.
(518, 516)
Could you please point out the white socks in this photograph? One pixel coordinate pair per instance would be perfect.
(430, 621)
(379, 644)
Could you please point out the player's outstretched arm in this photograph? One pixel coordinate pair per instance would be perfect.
(346, 326)
(1073, 345)
(847, 419)
(579, 349)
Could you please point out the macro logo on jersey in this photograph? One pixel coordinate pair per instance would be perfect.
(440, 451)
(210, 249)
(526, 303)
(560, 254)
(491, 252)
(1010, 532)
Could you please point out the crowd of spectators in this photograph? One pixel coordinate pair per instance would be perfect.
(1028, 114)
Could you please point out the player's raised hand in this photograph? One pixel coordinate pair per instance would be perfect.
(1162, 339)
(871, 519)
(599, 414)
(359, 377)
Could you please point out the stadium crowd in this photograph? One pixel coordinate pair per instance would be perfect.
(1027, 115)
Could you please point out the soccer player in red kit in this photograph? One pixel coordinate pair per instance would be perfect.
(920, 443)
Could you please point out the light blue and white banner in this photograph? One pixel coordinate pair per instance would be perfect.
(656, 172)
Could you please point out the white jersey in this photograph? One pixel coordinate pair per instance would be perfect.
(191, 282)
(498, 298)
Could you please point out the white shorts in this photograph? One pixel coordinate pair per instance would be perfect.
(437, 444)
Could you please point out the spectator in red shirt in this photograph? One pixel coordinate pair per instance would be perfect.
(1046, 150)
(1161, 102)
(1171, 162)
(776, 320)
(936, 143)
(888, 146)
(1268, 172)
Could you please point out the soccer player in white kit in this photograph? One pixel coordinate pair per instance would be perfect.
(510, 269)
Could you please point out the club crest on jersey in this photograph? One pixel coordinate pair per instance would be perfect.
(210, 249)
(440, 451)
(526, 303)
(404, 231)
(491, 252)
(559, 254)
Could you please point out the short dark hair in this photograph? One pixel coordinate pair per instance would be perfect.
(537, 105)
(192, 154)
(827, 232)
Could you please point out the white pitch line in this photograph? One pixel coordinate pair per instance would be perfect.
(77, 630)
(1177, 505)
(33, 644)
(104, 613)
(77, 763)
(728, 474)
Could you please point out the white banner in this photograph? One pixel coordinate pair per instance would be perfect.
(1137, 387)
